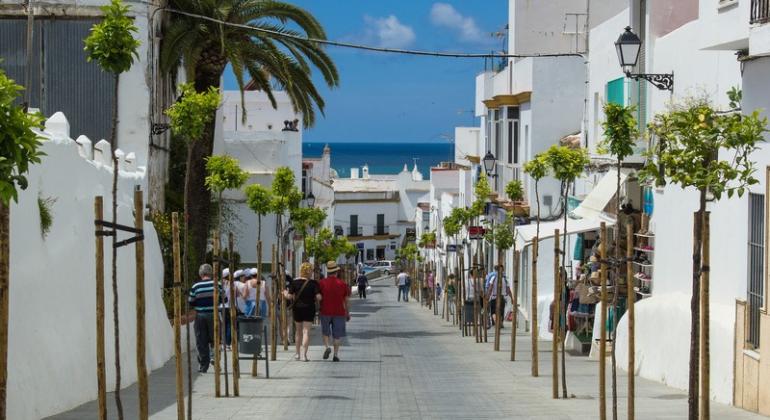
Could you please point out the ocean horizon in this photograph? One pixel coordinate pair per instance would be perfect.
(383, 158)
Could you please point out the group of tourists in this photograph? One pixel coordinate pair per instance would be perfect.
(305, 298)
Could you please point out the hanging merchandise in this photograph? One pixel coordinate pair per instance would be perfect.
(648, 201)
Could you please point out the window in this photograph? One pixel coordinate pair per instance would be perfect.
(304, 183)
(616, 91)
(369, 254)
(354, 230)
(381, 225)
(756, 267)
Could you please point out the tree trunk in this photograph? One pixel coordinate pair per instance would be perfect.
(562, 304)
(233, 329)
(5, 280)
(116, 320)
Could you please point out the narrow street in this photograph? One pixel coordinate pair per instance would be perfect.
(400, 361)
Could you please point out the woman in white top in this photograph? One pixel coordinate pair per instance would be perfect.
(250, 294)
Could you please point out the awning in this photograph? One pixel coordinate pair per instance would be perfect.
(593, 205)
(525, 234)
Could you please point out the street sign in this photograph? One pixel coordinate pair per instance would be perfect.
(453, 248)
(476, 232)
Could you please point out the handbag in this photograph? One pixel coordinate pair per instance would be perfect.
(584, 294)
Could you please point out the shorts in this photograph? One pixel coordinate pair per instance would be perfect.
(333, 326)
(303, 314)
(493, 307)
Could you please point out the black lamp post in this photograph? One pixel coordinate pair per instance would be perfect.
(490, 161)
(627, 47)
(310, 200)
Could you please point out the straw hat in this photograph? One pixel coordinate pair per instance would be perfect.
(306, 270)
(331, 267)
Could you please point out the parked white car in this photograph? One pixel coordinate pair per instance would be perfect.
(385, 266)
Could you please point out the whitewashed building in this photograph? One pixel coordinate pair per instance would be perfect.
(376, 212)
(268, 139)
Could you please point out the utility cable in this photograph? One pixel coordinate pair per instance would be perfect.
(363, 46)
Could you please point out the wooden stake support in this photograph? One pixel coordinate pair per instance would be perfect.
(631, 297)
(101, 375)
(5, 221)
(533, 311)
(500, 297)
(141, 347)
(177, 316)
(273, 297)
(705, 359)
(603, 324)
(515, 303)
(217, 343)
(233, 329)
(254, 362)
(556, 315)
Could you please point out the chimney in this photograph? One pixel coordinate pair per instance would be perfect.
(353, 173)
(365, 171)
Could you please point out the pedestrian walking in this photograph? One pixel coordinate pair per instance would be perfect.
(491, 292)
(402, 281)
(334, 309)
(451, 292)
(304, 292)
(201, 298)
(362, 283)
(427, 288)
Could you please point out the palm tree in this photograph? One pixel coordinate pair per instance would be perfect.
(219, 34)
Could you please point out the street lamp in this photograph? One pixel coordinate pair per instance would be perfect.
(628, 46)
(310, 200)
(489, 163)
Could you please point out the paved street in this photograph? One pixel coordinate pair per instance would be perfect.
(402, 362)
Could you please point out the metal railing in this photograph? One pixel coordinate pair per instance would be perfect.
(760, 11)
(356, 231)
(756, 268)
(381, 230)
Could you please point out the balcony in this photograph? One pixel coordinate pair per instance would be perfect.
(381, 230)
(356, 231)
(760, 11)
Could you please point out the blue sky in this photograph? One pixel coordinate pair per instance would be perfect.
(395, 98)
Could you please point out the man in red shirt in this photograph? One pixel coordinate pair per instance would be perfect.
(334, 309)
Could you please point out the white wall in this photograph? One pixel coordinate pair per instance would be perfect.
(52, 346)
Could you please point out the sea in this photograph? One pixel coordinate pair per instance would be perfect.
(383, 158)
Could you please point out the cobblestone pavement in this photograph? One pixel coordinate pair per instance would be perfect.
(401, 361)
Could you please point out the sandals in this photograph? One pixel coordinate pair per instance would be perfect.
(296, 356)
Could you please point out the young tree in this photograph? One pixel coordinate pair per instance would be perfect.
(189, 117)
(112, 45)
(19, 148)
(259, 199)
(514, 190)
(566, 164)
(620, 133)
(306, 221)
(536, 168)
(270, 58)
(223, 173)
(692, 136)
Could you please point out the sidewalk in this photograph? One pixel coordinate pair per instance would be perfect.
(401, 361)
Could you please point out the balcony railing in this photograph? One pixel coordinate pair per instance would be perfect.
(760, 11)
(381, 230)
(356, 231)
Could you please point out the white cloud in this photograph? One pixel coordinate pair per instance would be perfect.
(389, 32)
(445, 15)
